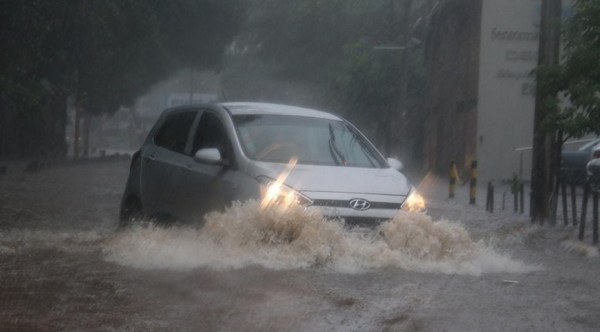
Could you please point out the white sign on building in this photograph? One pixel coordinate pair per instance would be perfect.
(506, 93)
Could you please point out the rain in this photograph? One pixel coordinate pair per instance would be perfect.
(384, 165)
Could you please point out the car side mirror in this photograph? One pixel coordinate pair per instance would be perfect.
(208, 156)
(395, 164)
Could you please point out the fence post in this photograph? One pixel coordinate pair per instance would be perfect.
(563, 188)
(473, 184)
(453, 174)
(586, 193)
(595, 216)
(574, 204)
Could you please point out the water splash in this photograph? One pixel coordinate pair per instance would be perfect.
(294, 237)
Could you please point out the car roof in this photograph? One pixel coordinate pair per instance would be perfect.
(246, 108)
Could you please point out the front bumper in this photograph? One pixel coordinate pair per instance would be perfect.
(337, 206)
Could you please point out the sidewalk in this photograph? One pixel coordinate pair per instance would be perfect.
(439, 206)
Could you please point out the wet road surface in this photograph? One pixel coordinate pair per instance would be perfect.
(64, 266)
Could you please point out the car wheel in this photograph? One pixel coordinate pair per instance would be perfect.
(131, 212)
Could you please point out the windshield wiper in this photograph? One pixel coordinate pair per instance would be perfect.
(335, 152)
(367, 152)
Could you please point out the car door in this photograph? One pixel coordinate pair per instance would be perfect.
(209, 187)
(164, 163)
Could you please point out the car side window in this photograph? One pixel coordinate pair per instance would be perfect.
(174, 132)
(212, 134)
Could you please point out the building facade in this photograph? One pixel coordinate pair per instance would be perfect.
(481, 93)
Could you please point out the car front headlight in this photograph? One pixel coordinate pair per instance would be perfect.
(274, 192)
(414, 202)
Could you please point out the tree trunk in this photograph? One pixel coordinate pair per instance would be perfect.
(87, 122)
(3, 129)
(543, 172)
(77, 131)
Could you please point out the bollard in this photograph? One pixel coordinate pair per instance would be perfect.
(586, 193)
(522, 198)
(473, 184)
(489, 203)
(515, 193)
(453, 174)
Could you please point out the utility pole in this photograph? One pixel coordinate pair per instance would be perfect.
(80, 64)
(544, 166)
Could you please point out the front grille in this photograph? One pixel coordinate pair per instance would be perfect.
(346, 204)
(363, 222)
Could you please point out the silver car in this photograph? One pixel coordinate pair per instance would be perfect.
(573, 167)
(197, 159)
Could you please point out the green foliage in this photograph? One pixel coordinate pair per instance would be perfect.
(304, 39)
(110, 51)
(104, 53)
(578, 76)
(368, 80)
(330, 45)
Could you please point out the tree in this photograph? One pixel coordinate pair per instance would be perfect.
(388, 81)
(102, 53)
(578, 77)
(575, 81)
(544, 165)
(330, 46)
(381, 91)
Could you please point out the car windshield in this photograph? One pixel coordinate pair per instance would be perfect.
(315, 141)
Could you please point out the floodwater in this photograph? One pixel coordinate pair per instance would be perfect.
(65, 266)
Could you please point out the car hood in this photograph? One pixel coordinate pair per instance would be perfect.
(314, 178)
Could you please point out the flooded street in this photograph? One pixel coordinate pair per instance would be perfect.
(65, 266)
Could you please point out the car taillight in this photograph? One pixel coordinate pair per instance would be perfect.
(596, 154)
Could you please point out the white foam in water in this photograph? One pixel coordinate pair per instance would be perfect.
(246, 235)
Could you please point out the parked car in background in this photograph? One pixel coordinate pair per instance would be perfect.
(574, 163)
(197, 159)
(593, 169)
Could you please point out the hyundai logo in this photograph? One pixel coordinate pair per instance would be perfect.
(360, 204)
